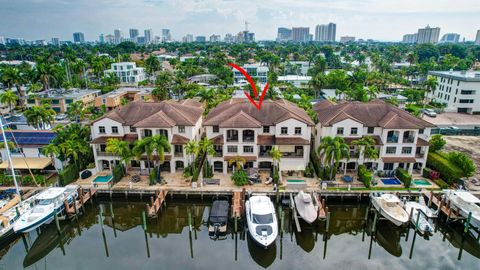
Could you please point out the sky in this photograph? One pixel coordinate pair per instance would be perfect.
(385, 20)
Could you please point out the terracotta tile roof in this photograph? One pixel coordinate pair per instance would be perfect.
(159, 119)
(218, 139)
(127, 137)
(240, 120)
(378, 140)
(398, 160)
(247, 158)
(291, 141)
(375, 113)
(271, 113)
(184, 113)
(265, 140)
(422, 142)
(177, 139)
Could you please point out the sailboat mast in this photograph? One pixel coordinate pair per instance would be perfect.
(8, 155)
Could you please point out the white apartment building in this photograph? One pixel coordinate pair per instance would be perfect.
(428, 35)
(178, 121)
(297, 67)
(460, 90)
(127, 72)
(402, 139)
(477, 38)
(410, 38)
(237, 128)
(256, 71)
(295, 80)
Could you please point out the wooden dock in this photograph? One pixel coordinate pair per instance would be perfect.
(442, 205)
(83, 197)
(156, 201)
(322, 206)
(238, 204)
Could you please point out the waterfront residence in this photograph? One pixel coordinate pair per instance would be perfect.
(237, 128)
(27, 151)
(127, 72)
(256, 71)
(179, 121)
(60, 99)
(402, 139)
(114, 99)
(459, 90)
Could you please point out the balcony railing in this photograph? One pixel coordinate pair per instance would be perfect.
(393, 139)
(354, 155)
(419, 155)
(218, 154)
(178, 154)
(248, 139)
(292, 155)
(232, 139)
(409, 140)
(103, 153)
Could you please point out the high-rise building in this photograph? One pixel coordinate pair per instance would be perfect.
(346, 39)
(301, 34)
(450, 38)
(326, 32)
(409, 38)
(284, 34)
(78, 37)
(188, 38)
(428, 35)
(215, 38)
(148, 33)
(477, 38)
(229, 38)
(2, 40)
(166, 35)
(200, 39)
(101, 38)
(55, 41)
(133, 34)
(118, 36)
(110, 39)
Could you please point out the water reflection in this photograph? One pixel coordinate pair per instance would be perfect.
(178, 242)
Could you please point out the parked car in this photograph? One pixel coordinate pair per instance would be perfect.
(60, 117)
(430, 112)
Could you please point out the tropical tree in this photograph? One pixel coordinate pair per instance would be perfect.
(159, 144)
(238, 161)
(332, 150)
(367, 148)
(76, 110)
(143, 146)
(192, 149)
(46, 73)
(40, 116)
(74, 149)
(437, 143)
(8, 98)
(121, 149)
(430, 84)
(51, 151)
(152, 64)
(12, 77)
(276, 156)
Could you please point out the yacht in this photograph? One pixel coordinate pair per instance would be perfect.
(48, 204)
(261, 220)
(390, 207)
(8, 217)
(466, 203)
(416, 212)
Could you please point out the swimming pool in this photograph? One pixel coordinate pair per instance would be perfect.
(102, 179)
(390, 181)
(421, 182)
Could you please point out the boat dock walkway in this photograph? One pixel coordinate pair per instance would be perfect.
(442, 205)
(83, 197)
(156, 201)
(238, 203)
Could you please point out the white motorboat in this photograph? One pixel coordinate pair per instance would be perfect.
(306, 207)
(389, 206)
(466, 203)
(261, 220)
(8, 218)
(416, 212)
(48, 204)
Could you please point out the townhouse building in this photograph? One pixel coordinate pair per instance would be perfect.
(237, 128)
(114, 99)
(179, 121)
(401, 139)
(127, 72)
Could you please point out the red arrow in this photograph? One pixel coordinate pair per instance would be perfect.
(252, 84)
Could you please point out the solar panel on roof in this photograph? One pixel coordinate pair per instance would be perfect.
(30, 138)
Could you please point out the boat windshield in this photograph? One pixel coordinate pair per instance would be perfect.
(45, 202)
(262, 219)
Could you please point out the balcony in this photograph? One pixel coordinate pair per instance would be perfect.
(232, 139)
(103, 153)
(409, 139)
(354, 155)
(392, 139)
(218, 154)
(178, 154)
(420, 155)
(248, 138)
(292, 155)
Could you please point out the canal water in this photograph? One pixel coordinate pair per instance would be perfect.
(170, 244)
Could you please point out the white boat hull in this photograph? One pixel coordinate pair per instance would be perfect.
(263, 234)
(395, 213)
(413, 210)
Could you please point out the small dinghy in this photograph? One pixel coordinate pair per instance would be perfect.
(415, 212)
(261, 220)
(218, 218)
(389, 206)
(306, 207)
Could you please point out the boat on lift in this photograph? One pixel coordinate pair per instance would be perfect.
(419, 217)
(306, 207)
(218, 219)
(261, 220)
(466, 203)
(390, 207)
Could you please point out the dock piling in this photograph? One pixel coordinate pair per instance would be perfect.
(144, 221)
(57, 223)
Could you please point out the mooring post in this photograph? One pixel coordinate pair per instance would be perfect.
(100, 217)
(236, 225)
(418, 219)
(57, 223)
(431, 198)
(467, 222)
(374, 225)
(190, 220)
(90, 196)
(327, 227)
(144, 221)
(282, 222)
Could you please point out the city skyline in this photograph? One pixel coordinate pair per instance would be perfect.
(373, 19)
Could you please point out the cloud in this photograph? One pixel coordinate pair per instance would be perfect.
(378, 19)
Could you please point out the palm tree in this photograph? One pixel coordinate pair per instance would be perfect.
(367, 147)
(238, 161)
(160, 145)
(46, 73)
(152, 64)
(430, 85)
(40, 116)
(333, 149)
(143, 146)
(76, 110)
(8, 98)
(11, 77)
(276, 156)
(121, 149)
(73, 149)
(51, 150)
(192, 149)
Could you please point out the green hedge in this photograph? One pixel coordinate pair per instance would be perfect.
(68, 174)
(308, 170)
(240, 178)
(441, 183)
(118, 172)
(315, 160)
(403, 176)
(365, 175)
(448, 171)
(426, 172)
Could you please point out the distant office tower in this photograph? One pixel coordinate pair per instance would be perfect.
(428, 35)
(133, 34)
(326, 32)
(55, 41)
(118, 36)
(200, 39)
(166, 35)
(284, 34)
(148, 33)
(477, 39)
(300, 34)
(215, 38)
(101, 38)
(229, 38)
(78, 37)
(110, 39)
(410, 38)
(450, 38)
(346, 39)
(2, 40)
